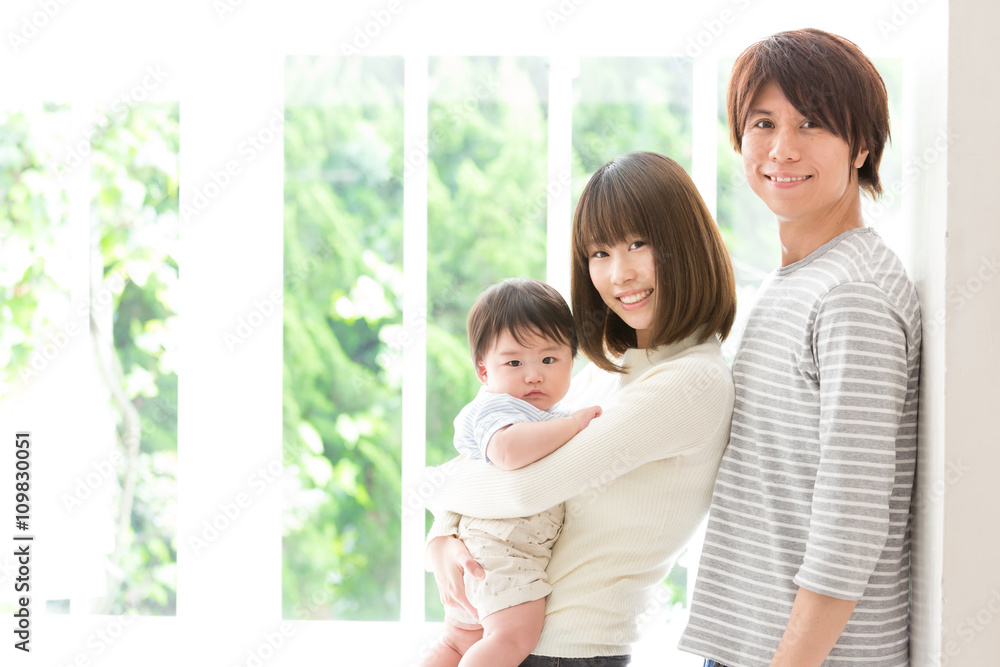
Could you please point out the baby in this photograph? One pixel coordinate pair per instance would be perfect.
(523, 342)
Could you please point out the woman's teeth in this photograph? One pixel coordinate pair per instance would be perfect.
(635, 298)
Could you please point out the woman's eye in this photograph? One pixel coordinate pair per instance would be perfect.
(597, 254)
(515, 363)
(637, 244)
(549, 360)
(764, 124)
(811, 124)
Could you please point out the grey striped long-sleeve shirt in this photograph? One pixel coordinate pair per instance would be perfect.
(814, 488)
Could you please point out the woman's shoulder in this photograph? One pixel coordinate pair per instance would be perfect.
(702, 365)
(688, 353)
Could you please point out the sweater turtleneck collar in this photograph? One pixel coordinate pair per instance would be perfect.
(640, 359)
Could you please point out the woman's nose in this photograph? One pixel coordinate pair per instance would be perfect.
(622, 270)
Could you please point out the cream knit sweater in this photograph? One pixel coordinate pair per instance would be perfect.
(637, 482)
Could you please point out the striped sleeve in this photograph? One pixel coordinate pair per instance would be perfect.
(860, 352)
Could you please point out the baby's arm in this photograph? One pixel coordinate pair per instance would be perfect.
(519, 444)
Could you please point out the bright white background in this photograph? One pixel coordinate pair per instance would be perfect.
(224, 63)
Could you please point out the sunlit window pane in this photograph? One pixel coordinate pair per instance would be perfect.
(342, 315)
(486, 201)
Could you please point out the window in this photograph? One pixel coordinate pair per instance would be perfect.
(89, 330)
(489, 215)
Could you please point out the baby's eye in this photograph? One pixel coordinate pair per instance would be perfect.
(515, 363)
(549, 360)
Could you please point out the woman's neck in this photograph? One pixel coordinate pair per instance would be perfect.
(642, 338)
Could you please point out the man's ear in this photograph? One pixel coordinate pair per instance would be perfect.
(860, 159)
(481, 371)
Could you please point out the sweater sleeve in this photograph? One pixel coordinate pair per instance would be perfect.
(674, 409)
(860, 352)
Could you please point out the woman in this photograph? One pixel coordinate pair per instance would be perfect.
(653, 296)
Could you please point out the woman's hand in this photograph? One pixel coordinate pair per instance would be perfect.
(449, 559)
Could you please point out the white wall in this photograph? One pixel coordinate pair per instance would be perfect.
(971, 513)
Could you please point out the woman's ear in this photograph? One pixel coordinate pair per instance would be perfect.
(481, 371)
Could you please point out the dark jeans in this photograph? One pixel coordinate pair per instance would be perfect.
(605, 661)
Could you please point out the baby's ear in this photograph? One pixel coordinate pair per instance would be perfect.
(481, 371)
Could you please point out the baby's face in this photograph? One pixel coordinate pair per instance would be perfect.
(538, 372)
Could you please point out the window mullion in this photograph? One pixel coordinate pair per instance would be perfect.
(414, 351)
(562, 71)
(705, 112)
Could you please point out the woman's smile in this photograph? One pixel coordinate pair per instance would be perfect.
(635, 299)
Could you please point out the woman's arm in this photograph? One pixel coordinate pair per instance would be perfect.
(674, 409)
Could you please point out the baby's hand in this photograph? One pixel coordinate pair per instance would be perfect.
(584, 416)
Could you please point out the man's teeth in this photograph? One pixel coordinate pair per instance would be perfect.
(635, 298)
(788, 179)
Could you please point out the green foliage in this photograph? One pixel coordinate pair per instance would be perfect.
(133, 176)
(33, 225)
(342, 321)
(134, 213)
(486, 217)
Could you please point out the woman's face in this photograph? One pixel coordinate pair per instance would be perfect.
(800, 170)
(624, 275)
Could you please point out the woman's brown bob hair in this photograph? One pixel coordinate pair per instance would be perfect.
(649, 197)
(828, 80)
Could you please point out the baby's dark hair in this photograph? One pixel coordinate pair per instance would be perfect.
(525, 308)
